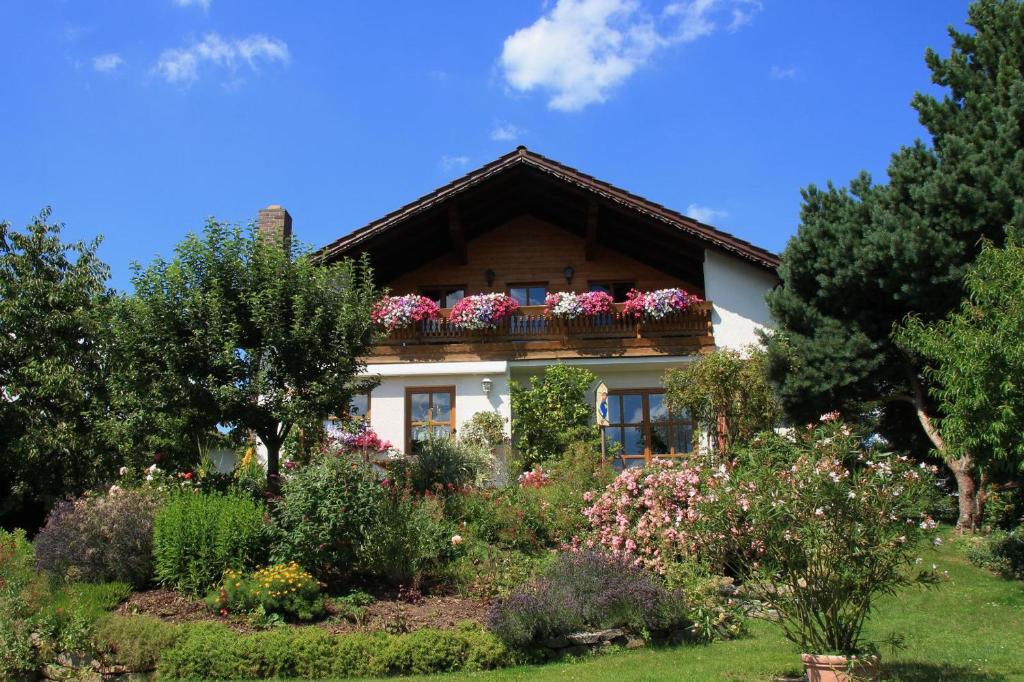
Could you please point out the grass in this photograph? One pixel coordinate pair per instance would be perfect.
(970, 629)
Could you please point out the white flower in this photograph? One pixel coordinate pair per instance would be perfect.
(852, 495)
(456, 539)
(114, 490)
(937, 541)
(122, 471)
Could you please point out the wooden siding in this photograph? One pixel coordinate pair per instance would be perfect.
(527, 249)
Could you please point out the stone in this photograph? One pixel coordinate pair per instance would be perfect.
(585, 637)
(634, 642)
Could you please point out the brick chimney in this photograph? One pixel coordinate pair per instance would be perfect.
(275, 223)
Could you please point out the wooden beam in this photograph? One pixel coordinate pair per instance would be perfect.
(588, 249)
(457, 234)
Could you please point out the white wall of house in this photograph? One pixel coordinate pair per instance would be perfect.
(737, 290)
(387, 401)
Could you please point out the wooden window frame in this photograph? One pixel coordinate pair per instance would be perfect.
(445, 289)
(646, 423)
(528, 285)
(409, 390)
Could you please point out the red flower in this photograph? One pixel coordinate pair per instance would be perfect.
(188, 476)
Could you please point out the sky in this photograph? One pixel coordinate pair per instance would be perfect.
(137, 120)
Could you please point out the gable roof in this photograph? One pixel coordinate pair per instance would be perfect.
(521, 157)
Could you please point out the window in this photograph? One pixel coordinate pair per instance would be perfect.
(618, 290)
(640, 422)
(358, 408)
(444, 296)
(357, 411)
(529, 294)
(428, 410)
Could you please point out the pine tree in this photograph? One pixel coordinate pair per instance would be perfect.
(866, 256)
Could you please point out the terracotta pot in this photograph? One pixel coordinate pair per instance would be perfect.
(840, 669)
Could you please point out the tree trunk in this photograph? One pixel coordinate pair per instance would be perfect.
(962, 468)
(967, 488)
(273, 446)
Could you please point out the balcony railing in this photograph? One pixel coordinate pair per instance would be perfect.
(529, 329)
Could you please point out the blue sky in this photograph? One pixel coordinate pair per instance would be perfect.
(137, 120)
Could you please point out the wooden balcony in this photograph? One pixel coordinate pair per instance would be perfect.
(530, 335)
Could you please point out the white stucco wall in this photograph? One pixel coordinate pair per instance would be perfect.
(387, 401)
(736, 289)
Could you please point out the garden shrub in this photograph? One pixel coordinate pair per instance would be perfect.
(198, 536)
(442, 465)
(554, 411)
(511, 517)
(322, 516)
(104, 538)
(283, 589)
(712, 614)
(587, 590)
(41, 615)
(561, 497)
(207, 651)
(408, 539)
(828, 524)
(1001, 551)
(136, 642)
(648, 514)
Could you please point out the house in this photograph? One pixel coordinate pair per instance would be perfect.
(527, 225)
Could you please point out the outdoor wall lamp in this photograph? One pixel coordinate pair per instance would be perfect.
(568, 272)
(489, 276)
(486, 384)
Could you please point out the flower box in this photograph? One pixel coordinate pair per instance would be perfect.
(658, 304)
(570, 305)
(399, 312)
(482, 311)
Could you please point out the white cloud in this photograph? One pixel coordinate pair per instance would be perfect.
(705, 214)
(581, 50)
(181, 65)
(205, 4)
(105, 63)
(506, 132)
(450, 163)
(779, 73)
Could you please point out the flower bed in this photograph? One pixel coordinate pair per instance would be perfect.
(398, 312)
(482, 311)
(658, 304)
(569, 305)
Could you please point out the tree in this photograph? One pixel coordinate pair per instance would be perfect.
(52, 303)
(975, 361)
(867, 256)
(727, 394)
(245, 334)
(552, 412)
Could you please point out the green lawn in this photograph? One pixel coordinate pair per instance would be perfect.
(970, 628)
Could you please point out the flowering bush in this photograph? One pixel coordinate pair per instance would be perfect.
(398, 312)
(364, 440)
(646, 515)
(100, 538)
(284, 589)
(833, 523)
(482, 311)
(586, 590)
(569, 305)
(657, 304)
(534, 478)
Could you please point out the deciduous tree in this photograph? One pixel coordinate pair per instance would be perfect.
(246, 334)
